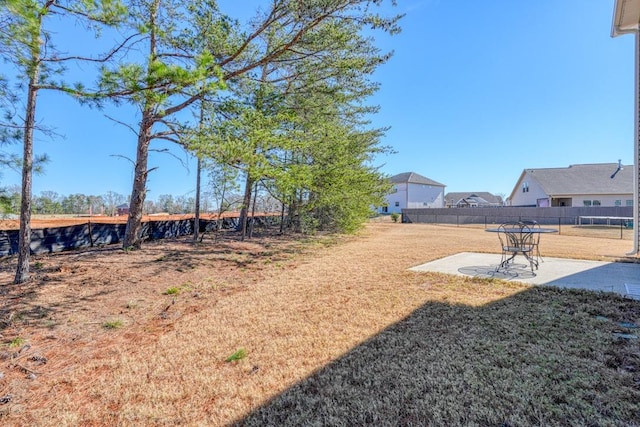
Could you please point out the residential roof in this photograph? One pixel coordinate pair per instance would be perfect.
(482, 197)
(413, 178)
(625, 17)
(600, 178)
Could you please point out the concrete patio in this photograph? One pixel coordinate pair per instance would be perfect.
(563, 272)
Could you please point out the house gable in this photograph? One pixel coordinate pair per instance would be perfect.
(528, 192)
(412, 190)
(608, 181)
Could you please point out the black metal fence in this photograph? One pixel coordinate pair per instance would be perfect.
(58, 239)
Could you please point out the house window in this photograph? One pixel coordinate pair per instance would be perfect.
(397, 204)
(385, 209)
(629, 202)
(586, 202)
(525, 187)
(596, 203)
(618, 203)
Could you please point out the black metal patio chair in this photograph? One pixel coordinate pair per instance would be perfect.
(516, 238)
(535, 229)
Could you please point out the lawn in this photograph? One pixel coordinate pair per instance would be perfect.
(319, 331)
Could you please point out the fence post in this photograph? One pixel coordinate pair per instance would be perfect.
(621, 221)
(90, 235)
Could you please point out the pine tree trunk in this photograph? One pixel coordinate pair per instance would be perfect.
(133, 232)
(24, 240)
(221, 208)
(253, 210)
(282, 219)
(196, 219)
(244, 212)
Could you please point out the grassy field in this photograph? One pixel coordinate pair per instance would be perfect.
(321, 331)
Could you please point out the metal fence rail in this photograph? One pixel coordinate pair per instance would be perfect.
(612, 217)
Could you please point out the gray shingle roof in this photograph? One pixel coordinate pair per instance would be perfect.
(477, 195)
(413, 178)
(585, 179)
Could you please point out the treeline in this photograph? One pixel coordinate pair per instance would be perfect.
(278, 103)
(52, 203)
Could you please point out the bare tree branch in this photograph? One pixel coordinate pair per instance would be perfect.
(166, 151)
(134, 131)
(103, 59)
(123, 157)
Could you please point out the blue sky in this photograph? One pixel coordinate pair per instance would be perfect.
(475, 93)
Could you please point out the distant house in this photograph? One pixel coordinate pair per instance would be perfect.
(411, 190)
(601, 184)
(479, 199)
(122, 209)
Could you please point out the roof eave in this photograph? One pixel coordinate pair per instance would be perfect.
(513, 192)
(626, 17)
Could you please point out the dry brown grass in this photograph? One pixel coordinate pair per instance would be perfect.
(336, 332)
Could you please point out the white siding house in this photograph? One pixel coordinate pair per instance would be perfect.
(601, 184)
(411, 190)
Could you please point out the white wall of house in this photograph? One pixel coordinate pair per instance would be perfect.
(529, 192)
(603, 200)
(425, 196)
(397, 200)
(414, 196)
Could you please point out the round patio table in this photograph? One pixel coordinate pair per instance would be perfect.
(520, 240)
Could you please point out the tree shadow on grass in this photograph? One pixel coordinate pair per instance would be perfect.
(545, 356)
(251, 253)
